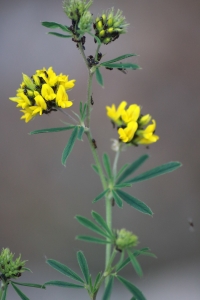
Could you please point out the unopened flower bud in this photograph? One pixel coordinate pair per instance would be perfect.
(28, 82)
(125, 239)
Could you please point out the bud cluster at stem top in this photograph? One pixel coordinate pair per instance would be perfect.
(10, 268)
(42, 93)
(109, 26)
(125, 240)
(132, 125)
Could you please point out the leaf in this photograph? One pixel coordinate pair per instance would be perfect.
(80, 133)
(69, 146)
(35, 285)
(99, 77)
(118, 58)
(83, 265)
(97, 279)
(135, 263)
(107, 166)
(64, 284)
(60, 35)
(122, 170)
(95, 168)
(90, 225)
(98, 218)
(117, 199)
(122, 66)
(133, 167)
(163, 169)
(19, 292)
(27, 269)
(55, 25)
(134, 202)
(47, 130)
(84, 111)
(5, 292)
(132, 288)
(64, 270)
(81, 108)
(91, 239)
(122, 185)
(100, 196)
(108, 289)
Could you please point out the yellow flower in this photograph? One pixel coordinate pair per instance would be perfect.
(63, 80)
(22, 100)
(40, 105)
(147, 135)
(115, 114)
(144, 120)
(47, 92)
(62, 98)
(49, 76)
(126, 134)
(131, 114)
(27, 115)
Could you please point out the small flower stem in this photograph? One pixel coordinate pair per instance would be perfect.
(83, 55)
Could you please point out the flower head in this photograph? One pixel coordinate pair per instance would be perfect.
(125, 240)
(44, 92)
(75, 9)
(10, 268)
(133, 128)
(109, 26)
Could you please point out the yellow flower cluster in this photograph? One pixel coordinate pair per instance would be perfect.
(132, 125)
(42, 93)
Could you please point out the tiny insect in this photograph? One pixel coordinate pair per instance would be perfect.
(92, 101)
(94, 143)
(99, 56)
(113, 202)
(191, 224)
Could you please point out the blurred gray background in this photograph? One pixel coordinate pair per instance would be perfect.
(39, 197)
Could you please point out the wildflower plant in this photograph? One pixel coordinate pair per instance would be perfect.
(45, 92)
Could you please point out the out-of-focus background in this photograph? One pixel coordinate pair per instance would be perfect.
(39, 197)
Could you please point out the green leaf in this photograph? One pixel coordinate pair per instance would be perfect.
(27, 269)
(100, 196)
(91, 239)
(122, 185)
(90, 225)
(64, 284)
(132, 288)
(107, 166)
(99, 77)
(123, 168)
(60, 35)
(133, 167)
(84, 111)
(117, 199)
(95, 168)
(83, 265)
(163, 169)
(19, 292)
(35, 285)
(98, 218)
(97, 279)
(69, 146)
(47, 130)
(135, 263)
(81, 108)
(122, 66)
(134, 202)
(64, 270)
(5, 292)
(80, 133)
(108, 289)
(118, 58)
(55, 25)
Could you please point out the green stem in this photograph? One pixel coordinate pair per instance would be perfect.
(115, 164)
(1, 292)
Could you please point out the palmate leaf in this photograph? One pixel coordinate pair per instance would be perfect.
(132, 288)
(122, 66)
(107, 166)
(83, 265)
(117, 199)
(60, 35)
(99, 77)
(49, 130)
(134, 202)
(132, 168)
(5, 292)
(69, 146)
(19, 292)
(118, 58)
(135, 263)
(108, 289)
(91, 239)
(90, 225)
(163, 169)
(100, 196)
(64, 269)
(55, 25)
(64, 284)
(34, 285)
(98, 218)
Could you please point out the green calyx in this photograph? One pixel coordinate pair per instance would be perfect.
(108, 26)
(10, 268)
(125, 239)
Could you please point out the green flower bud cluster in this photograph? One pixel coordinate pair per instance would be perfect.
(75, 9)
(86, 21)
(108, 26)
(125, 239)
(10, 268)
